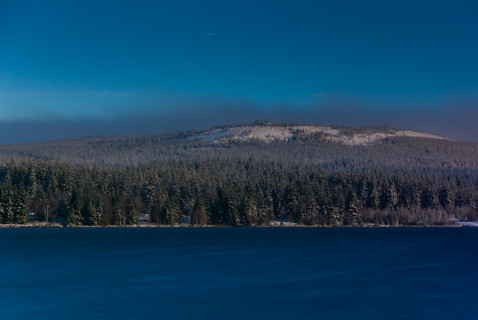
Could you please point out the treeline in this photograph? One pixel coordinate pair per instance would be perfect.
(219, 190)
(170, 179)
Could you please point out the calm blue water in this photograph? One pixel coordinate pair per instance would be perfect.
(239, 273)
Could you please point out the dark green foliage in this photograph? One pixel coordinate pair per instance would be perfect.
(132, 216)
(91, 215)
(14, 207)
(199, 214)
(20, 207)
(7, 209)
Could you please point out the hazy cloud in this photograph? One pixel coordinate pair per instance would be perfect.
(458, 119)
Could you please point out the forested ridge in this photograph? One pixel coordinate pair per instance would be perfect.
(171, 179)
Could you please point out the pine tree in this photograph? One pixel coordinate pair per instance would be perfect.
(131, 212)
(198, 214)
(392, 197)
(91, 215)
(2, 211)
(73, 214)
(19, 208)
(8, 213)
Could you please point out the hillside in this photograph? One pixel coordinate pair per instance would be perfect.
(253, 174)
(356, 147)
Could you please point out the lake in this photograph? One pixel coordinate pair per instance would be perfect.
(239, 273)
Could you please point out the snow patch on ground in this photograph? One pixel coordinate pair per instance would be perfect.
(274, 133)
(246, 133)
(467, 223)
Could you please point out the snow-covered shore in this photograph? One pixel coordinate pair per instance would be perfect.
(273, 224)
(467, 223)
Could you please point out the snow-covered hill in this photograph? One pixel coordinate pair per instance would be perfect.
(270, 133)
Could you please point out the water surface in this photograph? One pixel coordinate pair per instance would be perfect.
(239, 273)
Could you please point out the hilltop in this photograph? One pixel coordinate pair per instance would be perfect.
(266, 132)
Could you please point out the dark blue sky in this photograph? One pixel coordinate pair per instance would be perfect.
(75, 68)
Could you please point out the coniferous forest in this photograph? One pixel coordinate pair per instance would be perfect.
(170, 179)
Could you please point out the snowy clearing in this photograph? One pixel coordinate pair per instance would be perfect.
(268, 134)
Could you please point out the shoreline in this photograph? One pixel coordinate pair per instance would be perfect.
(455, 224)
